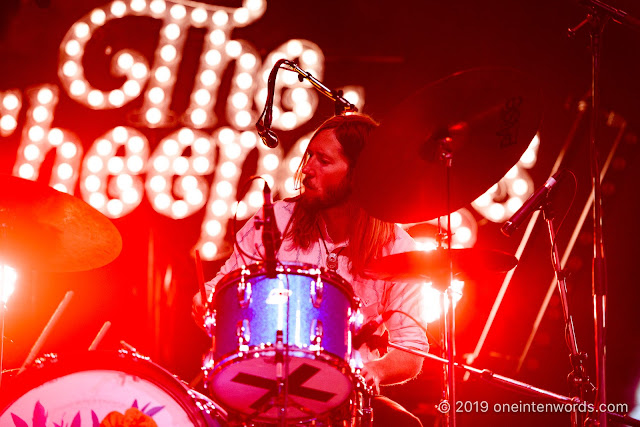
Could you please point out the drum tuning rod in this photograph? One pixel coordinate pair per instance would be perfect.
(45, 332)
(101, 334)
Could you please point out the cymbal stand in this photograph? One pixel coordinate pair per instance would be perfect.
(443, 284)
(579, 382)
(599, 14)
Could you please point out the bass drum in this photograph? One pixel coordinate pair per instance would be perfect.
(117, 388)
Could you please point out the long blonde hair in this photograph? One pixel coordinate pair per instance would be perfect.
(368, 236)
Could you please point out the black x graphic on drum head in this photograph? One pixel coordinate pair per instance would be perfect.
(296, 379)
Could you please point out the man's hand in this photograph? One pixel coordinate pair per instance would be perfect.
(393, 368)
(372, 375)
(198, 310)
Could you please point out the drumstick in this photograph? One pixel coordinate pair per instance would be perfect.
(45, 332)
(101, 334)
(203, 292)
(128, 346)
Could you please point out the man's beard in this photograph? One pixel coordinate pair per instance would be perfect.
(332, 197)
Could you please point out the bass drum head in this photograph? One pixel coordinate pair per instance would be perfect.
(89, 388)
(249, 386)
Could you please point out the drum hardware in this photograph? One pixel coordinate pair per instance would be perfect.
(244, 291)
(316, 292)
(316, 335)
(210, 323)
(244, 334)
(279, 358)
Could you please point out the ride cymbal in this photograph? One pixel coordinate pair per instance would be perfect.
(422, 266)
(488, 118)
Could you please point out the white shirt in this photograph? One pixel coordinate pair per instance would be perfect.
(376, 296)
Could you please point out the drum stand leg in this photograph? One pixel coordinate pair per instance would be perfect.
(365, 411)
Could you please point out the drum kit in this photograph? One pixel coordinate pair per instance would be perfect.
(280, 354)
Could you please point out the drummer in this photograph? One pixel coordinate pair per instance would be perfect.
(324, 227)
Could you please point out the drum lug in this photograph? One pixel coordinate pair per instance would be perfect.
(355, 320)
(244, 293)
(243, 333)
(210, 323)
(316, 335)
(317, 288)
(208, 363)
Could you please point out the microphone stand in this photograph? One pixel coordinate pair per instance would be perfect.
(579, 382)
(342, 105)
(599, 14)
(263, 125)
(516, 385)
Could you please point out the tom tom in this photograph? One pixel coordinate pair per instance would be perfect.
(301, 321)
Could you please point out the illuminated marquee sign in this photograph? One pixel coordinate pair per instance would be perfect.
(115, 184)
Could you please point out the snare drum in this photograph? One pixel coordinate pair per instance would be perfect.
(316, 312)
(88, 388)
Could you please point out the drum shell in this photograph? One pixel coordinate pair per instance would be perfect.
(264, 318)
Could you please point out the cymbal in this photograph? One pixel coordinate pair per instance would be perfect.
(490, 116)
(48, 230)
(421, 266)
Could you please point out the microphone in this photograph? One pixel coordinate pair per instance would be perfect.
(270, 233)
(367, 330)
(533, 203)
(268, 136)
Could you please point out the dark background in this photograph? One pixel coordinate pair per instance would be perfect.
(391, 49)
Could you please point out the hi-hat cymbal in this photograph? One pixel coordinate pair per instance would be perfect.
(48, 230)
(421, 266)
(489, 115)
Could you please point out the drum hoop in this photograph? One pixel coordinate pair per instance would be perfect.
(122, 361)
(269, 351)
(292, 268)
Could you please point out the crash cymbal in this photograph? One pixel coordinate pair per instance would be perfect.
(421, 265)
(48, 230)
(490, 116)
